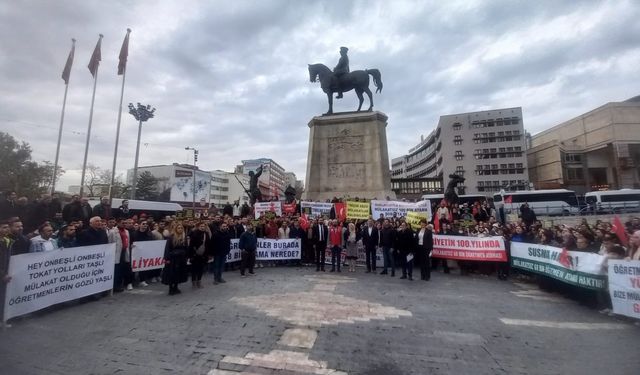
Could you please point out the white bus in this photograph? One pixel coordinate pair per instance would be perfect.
(613, 200)
(542, 202)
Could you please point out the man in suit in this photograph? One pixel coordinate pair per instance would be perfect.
(319, 235)
(370, 240)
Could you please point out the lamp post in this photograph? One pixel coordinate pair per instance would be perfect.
(142, 114)
(195, 161)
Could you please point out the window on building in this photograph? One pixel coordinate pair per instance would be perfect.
(575, 174)
(459, 155)
(573, 158)
(457, 126)
(457, 140)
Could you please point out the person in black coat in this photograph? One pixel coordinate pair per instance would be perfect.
(319, 236)
(20, 243)
(199, 240)
(424, 246)
(387, 240)
(406, 246)
(220, 248)
(72, 211)
(175, 258)
(94, 234)
(370, 240)
(143, 234)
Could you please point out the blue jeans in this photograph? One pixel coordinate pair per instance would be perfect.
(218, 266)
(389, 261)
(335, 257)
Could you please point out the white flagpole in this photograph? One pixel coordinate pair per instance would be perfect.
(64, 104)
(115, 152)
(86, 146)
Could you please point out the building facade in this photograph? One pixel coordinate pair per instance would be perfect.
(272, 182)
(228, 187)
(175, 182)
(594, 151)
(487, 148)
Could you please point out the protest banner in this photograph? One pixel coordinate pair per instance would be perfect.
(39, 280)
(261, 208)
(414, 218)
(315, 209)
(289, 208)
(357, 210)
(624, 287)
(147, 255)
(269, 249)
(399, 209)
(572, 267)
(488, 249)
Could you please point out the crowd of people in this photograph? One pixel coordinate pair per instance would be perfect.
(196, 246)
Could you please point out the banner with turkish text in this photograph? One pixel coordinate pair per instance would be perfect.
(357, 210)
(572, 267)
(39, 280)
(269, 249)
(624, 287)
(414, 219)
(488, 249)
(399, 209)
(261, 208)
(147, 255)
(316, 209)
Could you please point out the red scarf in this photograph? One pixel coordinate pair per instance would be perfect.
(124, 237)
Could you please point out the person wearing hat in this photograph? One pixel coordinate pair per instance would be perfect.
(67, 236)
(341, 69)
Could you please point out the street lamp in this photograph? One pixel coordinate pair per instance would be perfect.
(142, 114)
(195, 161)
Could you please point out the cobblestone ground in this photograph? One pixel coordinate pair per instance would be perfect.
(289, 321)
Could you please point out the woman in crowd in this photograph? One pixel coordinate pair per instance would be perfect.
(199, 239)
(175, 257)
(351, 237)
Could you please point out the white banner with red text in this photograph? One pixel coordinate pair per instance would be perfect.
(269, 249)
(572, 267)
(488, 249)
(147, 255)
(39, 280)
(624, 287)
(261, 208)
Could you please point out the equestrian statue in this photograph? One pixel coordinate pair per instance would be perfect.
(341, 80)
(450, 194)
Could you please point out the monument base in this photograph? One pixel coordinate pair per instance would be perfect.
(348, 157)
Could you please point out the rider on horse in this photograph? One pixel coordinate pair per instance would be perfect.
(341, 69)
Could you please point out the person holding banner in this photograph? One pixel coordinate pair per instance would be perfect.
(6, 244)
(370, 240)
(424, 246)
(175, 257)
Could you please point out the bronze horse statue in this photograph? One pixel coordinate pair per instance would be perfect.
(357, 80)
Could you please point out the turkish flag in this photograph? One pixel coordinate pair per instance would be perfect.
(508, 199)
(341, 211)
(304, 221)
(618, 229)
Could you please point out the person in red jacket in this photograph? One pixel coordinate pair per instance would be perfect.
(335, 243)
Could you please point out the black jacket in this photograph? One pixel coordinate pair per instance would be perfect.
(388, 237)
(197, 238)
(427, 242)
(405, 242)
(221, 243)
(90, 236)
(315, 234)
(370, 241)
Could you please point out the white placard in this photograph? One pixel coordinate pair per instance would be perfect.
(147, 255)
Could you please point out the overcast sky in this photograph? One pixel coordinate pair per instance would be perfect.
(230, 77)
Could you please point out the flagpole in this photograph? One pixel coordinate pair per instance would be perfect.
(115, 152)
(64, 104)
(86, 146)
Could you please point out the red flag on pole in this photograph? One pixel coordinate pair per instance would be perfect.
(66, 72)
(124, 53)
(341, 211)
(618, 229)
(96, 57)
(304, 221)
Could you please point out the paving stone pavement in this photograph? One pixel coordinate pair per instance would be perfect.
(290, 321)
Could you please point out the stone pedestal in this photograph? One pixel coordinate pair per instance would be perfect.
(348, 157)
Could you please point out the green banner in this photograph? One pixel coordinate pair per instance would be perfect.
(577, 268)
